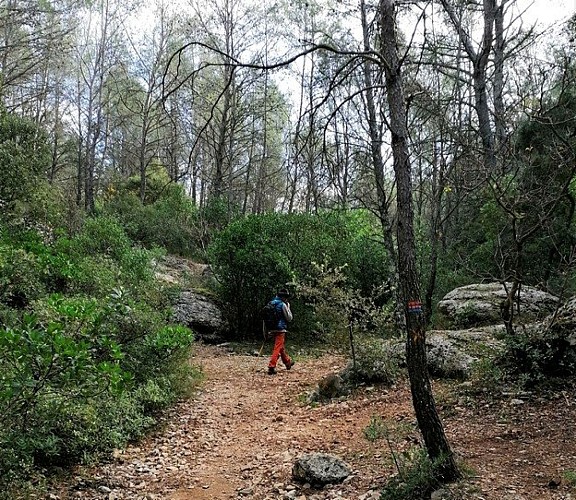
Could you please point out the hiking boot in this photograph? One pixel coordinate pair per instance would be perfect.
(271, 371)
(290, 365)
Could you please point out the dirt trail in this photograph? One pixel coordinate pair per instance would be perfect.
(239, 436)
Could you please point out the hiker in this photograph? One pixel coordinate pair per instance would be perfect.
(284, 315)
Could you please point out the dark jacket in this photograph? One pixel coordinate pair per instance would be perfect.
(285, 313)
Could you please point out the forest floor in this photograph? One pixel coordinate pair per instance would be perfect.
(239, 436)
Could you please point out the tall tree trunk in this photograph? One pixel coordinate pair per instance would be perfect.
(249, 167)
(438, 184)
(422, 398)
(312, 192)
(142, 148)
(378, 168)
(479, 60)
(261, 172)
(293, 185)
(498, 79)
(221, 153)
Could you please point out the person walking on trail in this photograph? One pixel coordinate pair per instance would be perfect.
(283, 315)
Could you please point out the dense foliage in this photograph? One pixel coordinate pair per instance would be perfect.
(167, 218)
(24, 157)
(256, 255)
(87, 352)
(88, 356)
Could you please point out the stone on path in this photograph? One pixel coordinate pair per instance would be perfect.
(319, 469)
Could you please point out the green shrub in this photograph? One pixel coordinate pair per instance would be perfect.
(99, 259)
(376, 429)
(92, 275)
(250, 264)
(417, 477)
(152, 355)
(20, 277)
(24, 157)
(333, 307)
(47, 370)
(329, 299)
(101, 236)
(254, 256)
(168, 219)
(487, 374)
(75, 382)
(87, 355)
(375, 362)
(535, 354)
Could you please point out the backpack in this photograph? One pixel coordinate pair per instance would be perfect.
(271, 315)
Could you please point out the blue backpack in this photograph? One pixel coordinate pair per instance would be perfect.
(271, 315)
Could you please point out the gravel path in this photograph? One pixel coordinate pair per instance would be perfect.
(241, 433)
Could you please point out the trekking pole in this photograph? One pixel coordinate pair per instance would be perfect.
(264, 337)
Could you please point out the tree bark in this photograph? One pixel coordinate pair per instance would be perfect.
(378, 168)
(479, 60)
(427, 416)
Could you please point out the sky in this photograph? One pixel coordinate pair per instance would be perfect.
(547, 12)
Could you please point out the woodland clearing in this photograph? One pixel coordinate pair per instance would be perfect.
(241, 432)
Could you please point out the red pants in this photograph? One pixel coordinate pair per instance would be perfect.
(279, 351)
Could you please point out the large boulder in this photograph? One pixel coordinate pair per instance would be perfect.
(479, 304)
(444, 359)
(202, 315)
(319, 469)
(452, 353)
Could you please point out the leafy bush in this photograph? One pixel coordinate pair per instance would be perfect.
(333, 307)
(24, 157)
(254, 256)
(74, 383)
(101, 236)
(330, 303)
(98, 259)
(87, 368)
(536, 354)
(168, 219)
(47, 371)
(20, 277)
(417, 477)
(374, 362)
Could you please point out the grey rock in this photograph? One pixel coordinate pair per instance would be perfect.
(178, 270)
(440, 494)
(320, 469)
(450, 353)
(332, 386)
(200, 314)
(446, 360)
(479, 304)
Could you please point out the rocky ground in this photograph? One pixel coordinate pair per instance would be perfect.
(239, 436)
